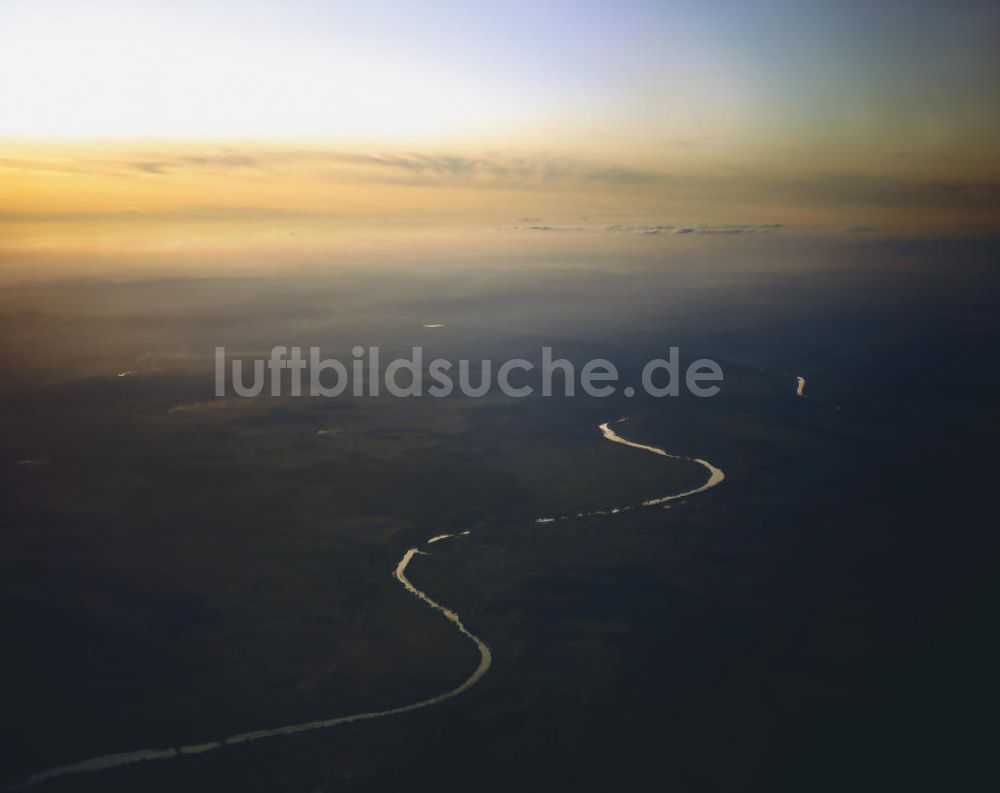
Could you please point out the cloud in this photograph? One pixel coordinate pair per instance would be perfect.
(404, 167)
(704, 228)
(619, 228)
(739, 228)
(221, 213)
(882, 191)
(191, 162)
(151, 167)
(856, 229)
(502, 170)
(524, 171)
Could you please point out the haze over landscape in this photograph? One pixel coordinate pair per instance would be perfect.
(788, 585)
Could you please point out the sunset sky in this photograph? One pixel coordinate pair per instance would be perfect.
(123, 118)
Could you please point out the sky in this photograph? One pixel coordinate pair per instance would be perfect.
(815, 116)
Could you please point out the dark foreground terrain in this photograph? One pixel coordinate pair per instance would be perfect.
(176, 569)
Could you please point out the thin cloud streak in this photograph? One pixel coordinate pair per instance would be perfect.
(260, 184)
(518, 172)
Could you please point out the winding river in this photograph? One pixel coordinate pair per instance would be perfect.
(715, 477)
